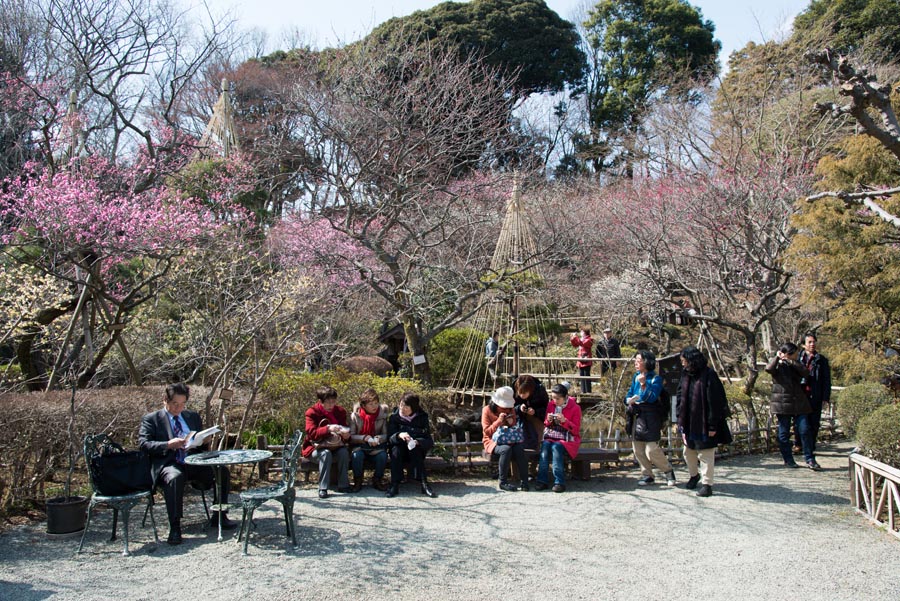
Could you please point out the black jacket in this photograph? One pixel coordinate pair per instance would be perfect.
(608, 348)
(419, 428)
(713, 416)
(156, 432)
(788, 395)
(819, 379)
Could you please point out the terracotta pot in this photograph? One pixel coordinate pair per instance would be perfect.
(66, 515)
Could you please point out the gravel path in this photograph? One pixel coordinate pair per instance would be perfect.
(767, 533)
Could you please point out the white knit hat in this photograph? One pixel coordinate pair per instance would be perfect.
(504, 397)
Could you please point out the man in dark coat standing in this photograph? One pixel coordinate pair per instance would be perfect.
(817, 385)
(164, 435)
(608, 348)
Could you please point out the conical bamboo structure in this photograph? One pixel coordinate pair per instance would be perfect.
(220, 137)
(514, 308)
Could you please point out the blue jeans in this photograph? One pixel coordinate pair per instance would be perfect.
(558, 453)
(784, 436)
(358, 461)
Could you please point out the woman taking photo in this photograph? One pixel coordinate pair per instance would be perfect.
(502, 435)
(789, 402)
(642, 403)
(562, 438)
(368, 435)
(531, 403)
(702, 411)
(409, 439)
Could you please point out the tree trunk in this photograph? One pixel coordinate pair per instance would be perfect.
(416, 346)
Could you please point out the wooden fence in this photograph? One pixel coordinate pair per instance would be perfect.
(875, 492)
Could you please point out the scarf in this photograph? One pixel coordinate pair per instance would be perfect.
(405, 418)
(329, 415)
(368, 423)
(692, 418)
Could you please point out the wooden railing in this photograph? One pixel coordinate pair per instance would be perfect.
(875, 492)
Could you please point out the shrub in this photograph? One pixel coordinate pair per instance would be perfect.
(857, 401)
(35, 446)
(445, 351)
(878, 434)
(288, 394)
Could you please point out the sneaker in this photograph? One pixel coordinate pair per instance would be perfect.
(508, 487)
(813, 465)
(323, 494)
(692, 482)
(559, 488)
(646, 480)
(705, 491)
(670, 478)
(538, 485)
(790, 464)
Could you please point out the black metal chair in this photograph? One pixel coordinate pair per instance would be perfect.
(284, 493)
(93, 446)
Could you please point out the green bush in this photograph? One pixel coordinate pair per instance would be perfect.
(290, 393)
(878, 434)
(857, 401)
(445, 350)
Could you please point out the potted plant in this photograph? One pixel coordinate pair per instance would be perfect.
(67, 514)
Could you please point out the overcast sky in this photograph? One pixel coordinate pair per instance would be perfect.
(328, 23)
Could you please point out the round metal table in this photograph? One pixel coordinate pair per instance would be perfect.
(219, 459)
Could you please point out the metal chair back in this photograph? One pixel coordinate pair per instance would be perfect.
(291, 458)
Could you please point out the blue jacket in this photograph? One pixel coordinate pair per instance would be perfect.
(650, 394)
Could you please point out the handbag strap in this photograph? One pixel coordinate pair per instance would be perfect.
(111, 447)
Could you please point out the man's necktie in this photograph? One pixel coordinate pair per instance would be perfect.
(180, 454)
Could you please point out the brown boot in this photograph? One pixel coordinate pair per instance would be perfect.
(379, 484)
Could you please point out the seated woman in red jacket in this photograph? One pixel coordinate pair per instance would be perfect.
(323, 419)
(562, 437)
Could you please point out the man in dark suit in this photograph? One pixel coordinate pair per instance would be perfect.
(163, 436)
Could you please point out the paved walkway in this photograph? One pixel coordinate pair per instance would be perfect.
(768, 533)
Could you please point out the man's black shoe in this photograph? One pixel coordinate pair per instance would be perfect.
(393, 491)
(559, 488)
(692, 482)
(705, 491)
(323, 494)
(540, 485)
(426, 490)
(508, 487)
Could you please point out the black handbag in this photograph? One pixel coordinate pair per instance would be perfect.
(116, 472)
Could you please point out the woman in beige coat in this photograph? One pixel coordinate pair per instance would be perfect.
(368, 438)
